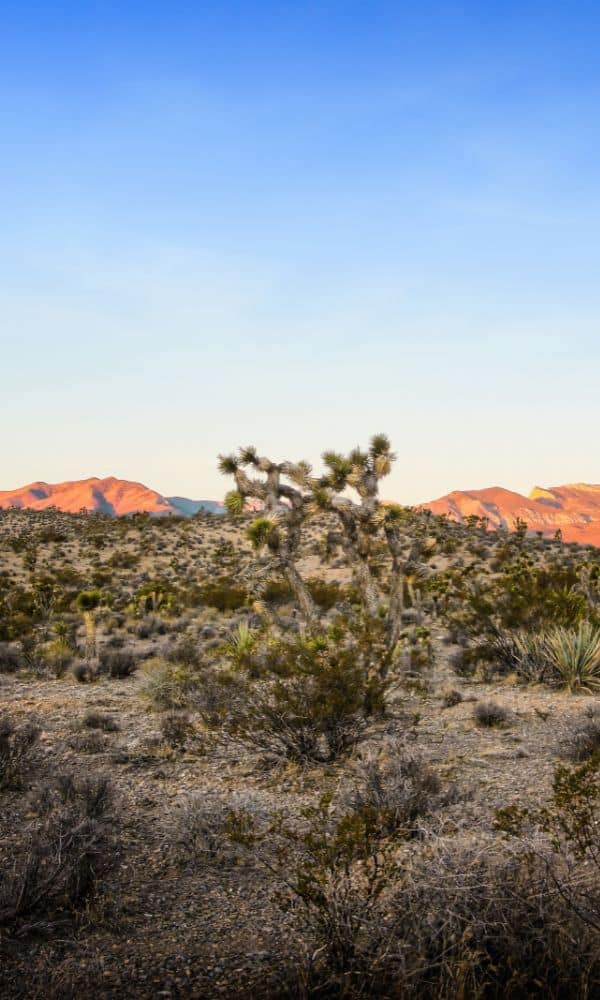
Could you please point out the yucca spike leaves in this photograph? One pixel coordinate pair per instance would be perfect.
(234, 503)
(380, 445)
(298, 472)
(248, 455)
(321, 497)
(261, 532)
(393, 513)
(228, 464)
(358, 458)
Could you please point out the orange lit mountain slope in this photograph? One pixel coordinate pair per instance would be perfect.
(574, 509)
(106, 496)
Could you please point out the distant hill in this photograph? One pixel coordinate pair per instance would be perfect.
(105, 496)
(190, 507)
(573, 509)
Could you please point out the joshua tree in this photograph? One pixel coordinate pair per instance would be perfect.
(365, 526)
(407, 567)
(359, 521)
(286, 508)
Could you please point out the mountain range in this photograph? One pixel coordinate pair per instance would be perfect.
(574, 509)
(105, 496)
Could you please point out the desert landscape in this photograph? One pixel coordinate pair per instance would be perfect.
(337, 748)
(299, 501)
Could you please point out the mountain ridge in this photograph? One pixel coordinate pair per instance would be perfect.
(573, 509)
(108, 495)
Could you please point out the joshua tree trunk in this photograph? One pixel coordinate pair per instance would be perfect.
(301, 593)
(367, 587)
(395, 608)
(89, 619)
(355, 542)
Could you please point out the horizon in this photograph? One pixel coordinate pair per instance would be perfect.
(205, 496)
(258, 221)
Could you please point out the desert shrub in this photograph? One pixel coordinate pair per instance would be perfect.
(84, 673)
(223, 593)
(326, 594)
(50, 534)
(332, 868)
(176, 728)
(10, 658)
(63, 853)
(559, 656)
(123, 560)
(569, 825)
(394, 786)
(89, 741)
(100, 720)
(17, 741)
(568, 657)
(451, 698)
(489, 715)
(118, 662)
(463, 661)
(167, 684)
(114, 641)
(211, 692)
(220, 698)
(210, 827)
(583, 741)
(149, 626)
(467, 921)
(521, 597)
(450, 920)
(517, 651)
(242, 649)
(57, 656)
(277, 591)
(314, 706)
(185, 651)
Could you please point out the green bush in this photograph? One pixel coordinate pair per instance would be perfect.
(315, 703)
(168, 685)
(224, 594)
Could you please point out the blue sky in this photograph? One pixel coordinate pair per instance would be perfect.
(296, 224)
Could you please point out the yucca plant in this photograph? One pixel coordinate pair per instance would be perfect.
(240, 649)
(574, 654)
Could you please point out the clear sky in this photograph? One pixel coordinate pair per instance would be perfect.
(295, 224)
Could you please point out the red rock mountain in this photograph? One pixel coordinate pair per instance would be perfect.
(106, 496)
(574, 509)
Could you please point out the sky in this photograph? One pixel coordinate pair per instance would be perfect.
(296, 224)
